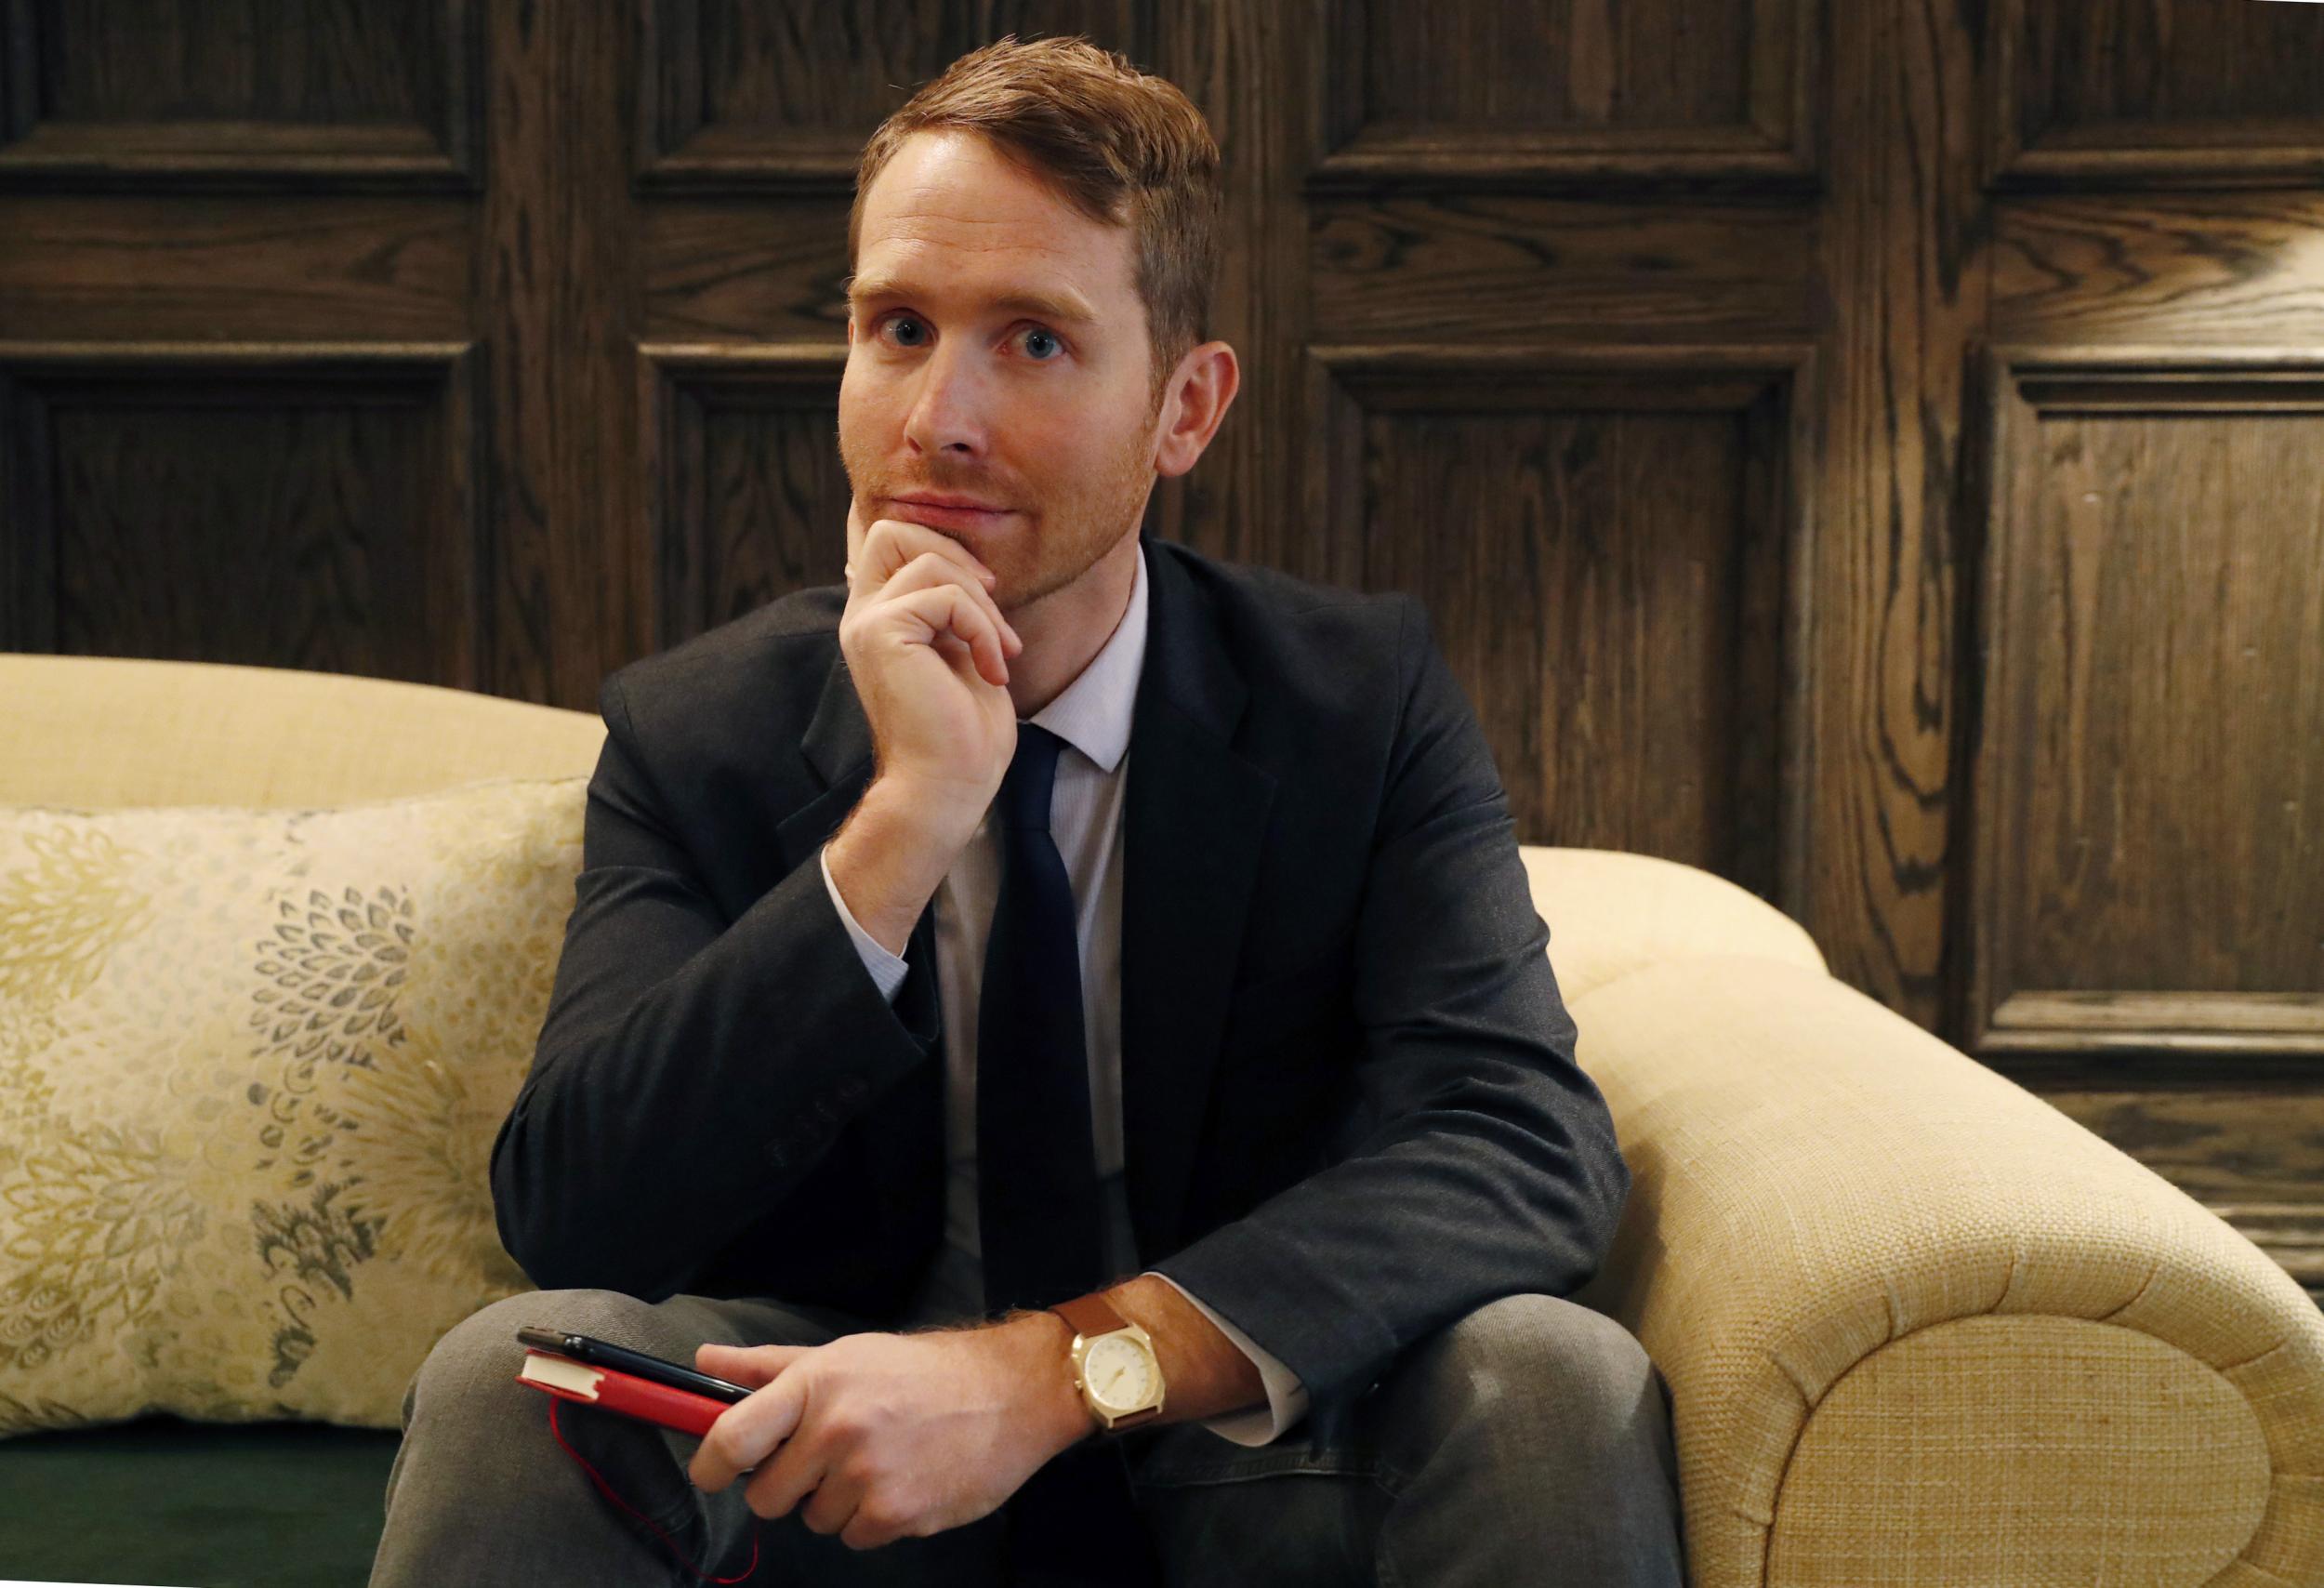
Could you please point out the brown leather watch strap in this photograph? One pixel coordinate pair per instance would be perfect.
(1091, 1316)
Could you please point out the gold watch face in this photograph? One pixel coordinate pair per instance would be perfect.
(1119, 1372)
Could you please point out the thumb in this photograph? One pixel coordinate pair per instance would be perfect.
(750, 1366)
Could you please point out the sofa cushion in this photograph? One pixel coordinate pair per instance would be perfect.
(160, 1500)
(252, 1063)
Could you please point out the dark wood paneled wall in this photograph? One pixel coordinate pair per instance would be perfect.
(1870, 450)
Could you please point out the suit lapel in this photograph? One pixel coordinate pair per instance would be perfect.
(837, 744)
(904, 1131)
(1194, 817)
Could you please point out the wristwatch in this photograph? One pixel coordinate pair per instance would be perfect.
(1113, 1364)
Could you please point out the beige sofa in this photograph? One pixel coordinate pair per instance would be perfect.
(1919, 1327)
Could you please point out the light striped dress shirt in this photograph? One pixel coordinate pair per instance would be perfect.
(1093, 716)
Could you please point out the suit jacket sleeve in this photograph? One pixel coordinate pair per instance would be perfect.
(1287, 1397)
(1478, 1160)
(690, 1069)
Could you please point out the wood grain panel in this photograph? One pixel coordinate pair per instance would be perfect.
(1902, 278)
(750, 497)
(1483, 267)
(241, 93)
(2248, 1142)
(2155, 92)
(2148, 842)
(1560, 63)
(136, 267)
(765, 270)
(556, 282)
(287, 505)
(2241, 268)
(1603, 547)
(1255, 69)
(783, 93)
(1569, 91)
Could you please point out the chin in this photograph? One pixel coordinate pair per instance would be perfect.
(994, 549)
(1019, 587)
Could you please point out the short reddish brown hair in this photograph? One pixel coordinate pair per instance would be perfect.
(1123, 147)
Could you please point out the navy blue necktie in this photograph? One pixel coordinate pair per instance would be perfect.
(1039, 1219)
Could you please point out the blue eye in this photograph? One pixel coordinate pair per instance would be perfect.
(1036, 337)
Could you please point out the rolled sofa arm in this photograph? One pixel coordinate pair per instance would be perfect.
(1921, 1327)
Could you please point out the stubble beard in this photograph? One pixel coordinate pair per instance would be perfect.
(1093, 526)
(1063, 545)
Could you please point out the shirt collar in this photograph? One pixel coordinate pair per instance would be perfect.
(1093, 712)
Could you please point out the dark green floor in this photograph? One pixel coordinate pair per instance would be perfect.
(194, 1505)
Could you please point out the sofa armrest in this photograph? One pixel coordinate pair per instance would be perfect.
(1611, 912)
(1919, 1325)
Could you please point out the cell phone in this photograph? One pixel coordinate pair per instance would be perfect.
(603, 1354)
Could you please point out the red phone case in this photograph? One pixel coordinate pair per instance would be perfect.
(615, 1390)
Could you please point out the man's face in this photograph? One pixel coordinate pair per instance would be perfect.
(1041, 408)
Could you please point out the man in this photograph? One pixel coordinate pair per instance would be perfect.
(904, 1042)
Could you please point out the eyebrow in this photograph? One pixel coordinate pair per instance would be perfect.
(1068, 308)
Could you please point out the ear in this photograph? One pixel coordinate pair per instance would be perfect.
(1202, 390)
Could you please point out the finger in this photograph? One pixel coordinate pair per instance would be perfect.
(948, 607)
(793, 1473)
(956, 651)
(890, 543)
(746, 1432)
(833, 1504)
(929, 570)
(749, 1366)
(863, 1532)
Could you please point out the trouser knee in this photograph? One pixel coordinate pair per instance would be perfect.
(467, 1393)
(1534, 1406)
(1521, 1364)
(490, 1470)
(473, 1369)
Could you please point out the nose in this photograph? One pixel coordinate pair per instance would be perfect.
(948, 410)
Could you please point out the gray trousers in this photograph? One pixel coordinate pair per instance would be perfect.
(1526, 1443)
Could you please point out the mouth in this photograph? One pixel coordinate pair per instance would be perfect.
(957, 514)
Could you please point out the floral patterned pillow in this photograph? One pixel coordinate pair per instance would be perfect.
(252, 1063)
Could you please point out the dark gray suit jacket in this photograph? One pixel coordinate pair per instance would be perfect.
(1351, 1108)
